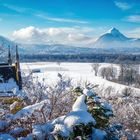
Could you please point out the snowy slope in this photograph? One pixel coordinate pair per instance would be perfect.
(114, 39)
(113, 35)
(53, 48)
(80, 73)
(5, 42)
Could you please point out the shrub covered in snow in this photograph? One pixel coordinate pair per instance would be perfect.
(62, 113)
(58, 95)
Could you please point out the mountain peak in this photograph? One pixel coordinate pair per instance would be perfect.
(111, 38)
(114, 31)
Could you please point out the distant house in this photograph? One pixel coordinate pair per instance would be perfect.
(10, 74)
(36, 71)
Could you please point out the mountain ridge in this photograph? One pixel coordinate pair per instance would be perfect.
(111, 40)
(114, 38)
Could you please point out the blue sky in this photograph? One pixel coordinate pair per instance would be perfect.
(96, 16)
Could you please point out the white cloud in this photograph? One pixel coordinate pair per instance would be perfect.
(15, 8)
(39, 14)
(77, 37)
(29, 35)
(123, 5)
(133, 18)
(134, 32)
(63, 35)
(60, 19)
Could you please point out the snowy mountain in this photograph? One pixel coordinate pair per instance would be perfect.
(115, 39)
(4, 43)
(112, 41)
(113, 35)
(53, 49)
(106, 43)
(39, 48)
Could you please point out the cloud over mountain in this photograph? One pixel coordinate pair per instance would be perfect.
(33, 35)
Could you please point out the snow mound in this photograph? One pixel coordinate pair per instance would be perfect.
(3, 125)
(58, 120)
(79, 104)
(79, 113)
(9, 86)
(38, 132)
(78, 117)
(29, 137)
(6, 137)
(88, 92)
(16, 131)
(29, 110)
(106, 106)
(98, 134)
(61, 129)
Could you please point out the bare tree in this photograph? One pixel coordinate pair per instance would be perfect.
(107, 73)
(95, 67)
(128, 74)
(103, 72)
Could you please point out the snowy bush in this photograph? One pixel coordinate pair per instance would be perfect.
(126, 111)
(62, 112)
(58, 95)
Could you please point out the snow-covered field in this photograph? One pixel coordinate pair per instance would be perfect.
(46, 111)
(78, 72)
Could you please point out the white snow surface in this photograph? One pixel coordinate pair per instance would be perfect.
(3, 125)
(6, 137)
(98, 134)
(78, 117)
(106, 106)
(16, 131)
(79, 104)
(88, 92)
(37, 131)
(78, 114)
(13, 105)
(79, 73)
(61, 129)
(9, 86)
(27, 111)
(58, 120)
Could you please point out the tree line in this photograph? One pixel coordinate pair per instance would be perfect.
(129, 74)
(108, 58)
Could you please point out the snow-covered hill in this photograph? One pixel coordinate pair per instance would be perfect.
(80, 73)
(53, 49)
